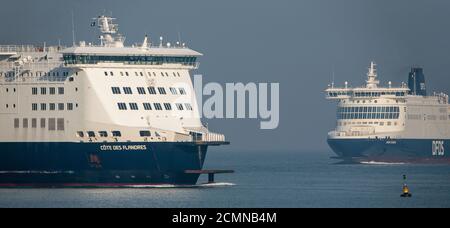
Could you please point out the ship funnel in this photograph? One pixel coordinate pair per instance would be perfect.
(416, 82)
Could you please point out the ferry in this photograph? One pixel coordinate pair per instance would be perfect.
(101, 114)
(390, 123)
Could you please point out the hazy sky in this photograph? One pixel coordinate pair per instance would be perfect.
(295, 43)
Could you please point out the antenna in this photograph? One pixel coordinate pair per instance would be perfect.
(332, 77)
(73, 31)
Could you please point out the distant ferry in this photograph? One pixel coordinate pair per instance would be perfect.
(391, 123)
(105, 114)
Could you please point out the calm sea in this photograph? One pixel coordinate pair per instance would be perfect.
(267, 179)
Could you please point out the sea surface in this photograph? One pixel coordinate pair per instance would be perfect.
(268, 180)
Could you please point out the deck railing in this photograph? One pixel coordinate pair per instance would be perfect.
(29, 48)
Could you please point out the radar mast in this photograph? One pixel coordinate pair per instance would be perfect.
(110, 36)
(372, 75)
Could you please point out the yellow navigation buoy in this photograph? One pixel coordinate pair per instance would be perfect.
(406, 193)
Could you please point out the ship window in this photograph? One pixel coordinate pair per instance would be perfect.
(142, 74)
(180, 106)
(151, 90)
(91, 134)
(162, 90)
(80, 134)
(60, 122)
(147, 106)
(153, 60)
(182, 91)
(61, 106)
(34, 123)
(173, 91)
(34, 107)
(168, 106)
(42, 122)
(136, 73)
(70, 106)
(127, 90)
(25, 123)
(34, 91)
(115, 90)
(127, 74)
(111, 73)
(52, 124)
(122, 106)
(141, 90)
(16, 123)
(158, 106)
(116, 134)
(106, 73)
(188, 106)
(52, 91)
(61, 90)
(103, 134)
(43, 91)
(167, 74)
(52, 106)
(178, 73)
(154, 74)
(134, 106)
(43, 107)
(145, 133)
(162, 74)
(121, 73)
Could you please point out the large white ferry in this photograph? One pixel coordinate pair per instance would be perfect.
(101, 114)
(391, 123)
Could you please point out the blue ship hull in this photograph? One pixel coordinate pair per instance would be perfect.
(99, 164)
(391, 150)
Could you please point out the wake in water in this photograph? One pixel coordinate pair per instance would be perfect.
(207, 185)
(118, 186)
(382, 163)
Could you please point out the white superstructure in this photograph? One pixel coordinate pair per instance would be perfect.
(375, 112)
(100, 93)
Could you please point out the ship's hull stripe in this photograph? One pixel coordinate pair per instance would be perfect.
(391, 149)
(131, 162)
